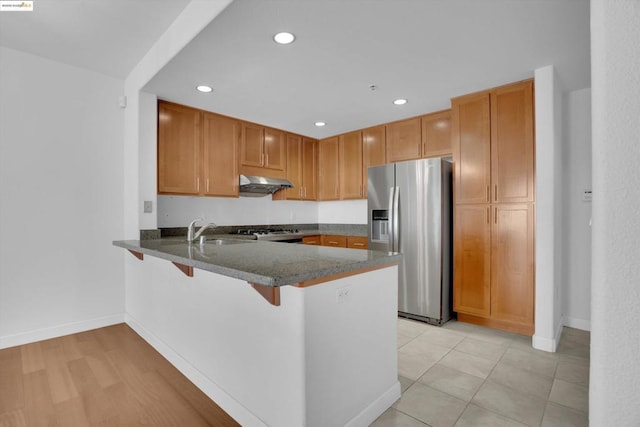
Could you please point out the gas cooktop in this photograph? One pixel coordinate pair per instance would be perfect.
(290, 234)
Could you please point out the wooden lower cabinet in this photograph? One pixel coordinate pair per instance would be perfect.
(512, 266)
(357, 242)
(331, 240)
(494, 266)
(354, 242)
(311, 240)
(472, 260)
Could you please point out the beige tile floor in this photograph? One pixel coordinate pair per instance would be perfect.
(466, 375)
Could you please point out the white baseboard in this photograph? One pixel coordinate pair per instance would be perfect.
(548, 344)
(236, 410)
(582, 324)
(376, 408)
(59, 331)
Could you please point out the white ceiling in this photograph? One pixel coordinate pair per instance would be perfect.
(107, 36)
(424, 50)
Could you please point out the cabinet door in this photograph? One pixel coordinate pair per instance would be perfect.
(311, 240)
(309, 169)
(404, 140)
(337, 241)
(220, 155)
(512, 265)
(294, 167)
(436, 134)
(274, 149)
(374, 147)
(350, 169)
(251, 145)
(512, 143)
(179, 139)
(328, 188)
(357, 242)
(471, 148)
(472, 262)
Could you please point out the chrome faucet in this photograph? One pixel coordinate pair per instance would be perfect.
(192, 235)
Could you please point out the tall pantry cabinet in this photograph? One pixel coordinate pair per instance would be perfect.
(493, 148)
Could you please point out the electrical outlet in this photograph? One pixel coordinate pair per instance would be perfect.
(343, 294)
(148, 206)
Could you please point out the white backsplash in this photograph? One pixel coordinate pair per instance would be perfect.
(342, 212)
(178, 211)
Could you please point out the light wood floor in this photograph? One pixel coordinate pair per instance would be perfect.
(105, 377)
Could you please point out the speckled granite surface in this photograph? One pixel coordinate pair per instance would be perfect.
(305, 229)
(265, 263)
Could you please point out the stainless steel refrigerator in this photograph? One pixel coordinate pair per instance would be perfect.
(410, 211)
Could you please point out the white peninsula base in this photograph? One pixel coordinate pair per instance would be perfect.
(325, 357)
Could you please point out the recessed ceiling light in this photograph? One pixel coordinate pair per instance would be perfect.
(400, 101)
(204, 88)
(284, 38)
(320, 124)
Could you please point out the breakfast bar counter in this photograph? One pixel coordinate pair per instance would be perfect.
(259, 262)
(322, 350)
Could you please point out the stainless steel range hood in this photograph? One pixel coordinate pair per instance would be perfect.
(258, 186)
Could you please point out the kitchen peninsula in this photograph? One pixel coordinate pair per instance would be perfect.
(315, 346)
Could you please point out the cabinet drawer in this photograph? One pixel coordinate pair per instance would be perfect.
(337, 241)
(311, 240)
(357, 242)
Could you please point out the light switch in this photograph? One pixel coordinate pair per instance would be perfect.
(148, 206)
(586, 196)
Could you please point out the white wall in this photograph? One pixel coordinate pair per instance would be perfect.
(343, 212)
(576, 231)
(178, 211)
(548, 252)
(61, 174)
(312, 361)
(139, 133)
(615, 288)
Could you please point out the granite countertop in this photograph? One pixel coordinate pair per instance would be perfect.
(261, 262)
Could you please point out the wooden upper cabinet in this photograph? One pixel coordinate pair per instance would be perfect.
(294, 168)
(251, 145)
(328, 182)
(472, 260)
(512, 143)
(179, 139)
(471, 138)
(309, 169)
(436, 134)
(220, 155)
(404, 140)
(302, 169)
(274, 149)
(512, 265)
(262, 147)
(374, 151)
(350, 165)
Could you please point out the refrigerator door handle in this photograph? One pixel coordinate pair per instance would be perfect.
(396, 219)
(391, 219)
